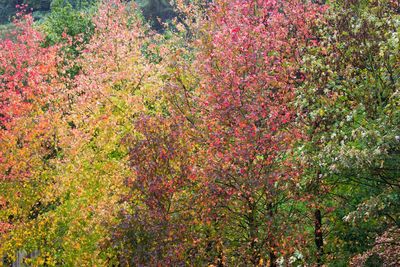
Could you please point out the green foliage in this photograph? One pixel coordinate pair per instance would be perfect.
(64, 18)
(351, 105)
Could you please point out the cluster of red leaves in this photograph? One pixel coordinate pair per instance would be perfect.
(247, 83)
(248, 68)
(26, 73)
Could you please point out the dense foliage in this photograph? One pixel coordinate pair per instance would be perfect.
(237, 133)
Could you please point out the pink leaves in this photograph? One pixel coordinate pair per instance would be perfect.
(235, 30)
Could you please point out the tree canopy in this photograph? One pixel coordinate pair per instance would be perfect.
(201, 133)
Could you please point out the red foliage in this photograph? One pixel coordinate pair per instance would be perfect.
(234, 135)
(248, 68)
(26, 72)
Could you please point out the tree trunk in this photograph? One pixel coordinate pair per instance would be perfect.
(272, 256)
(319, 241)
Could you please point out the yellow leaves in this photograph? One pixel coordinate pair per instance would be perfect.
(80, 191)
(41, 261)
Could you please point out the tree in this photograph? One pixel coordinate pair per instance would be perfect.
(248, 62)
(27, 70)
(81, 192)
(351, 119)
(28, 123)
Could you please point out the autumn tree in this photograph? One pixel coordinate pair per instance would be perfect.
(248, 64)
(27, 70)
(28, 136)
(85, 184)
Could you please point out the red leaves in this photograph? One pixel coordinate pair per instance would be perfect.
(26, 72)
(247, 88)
(246, 85)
